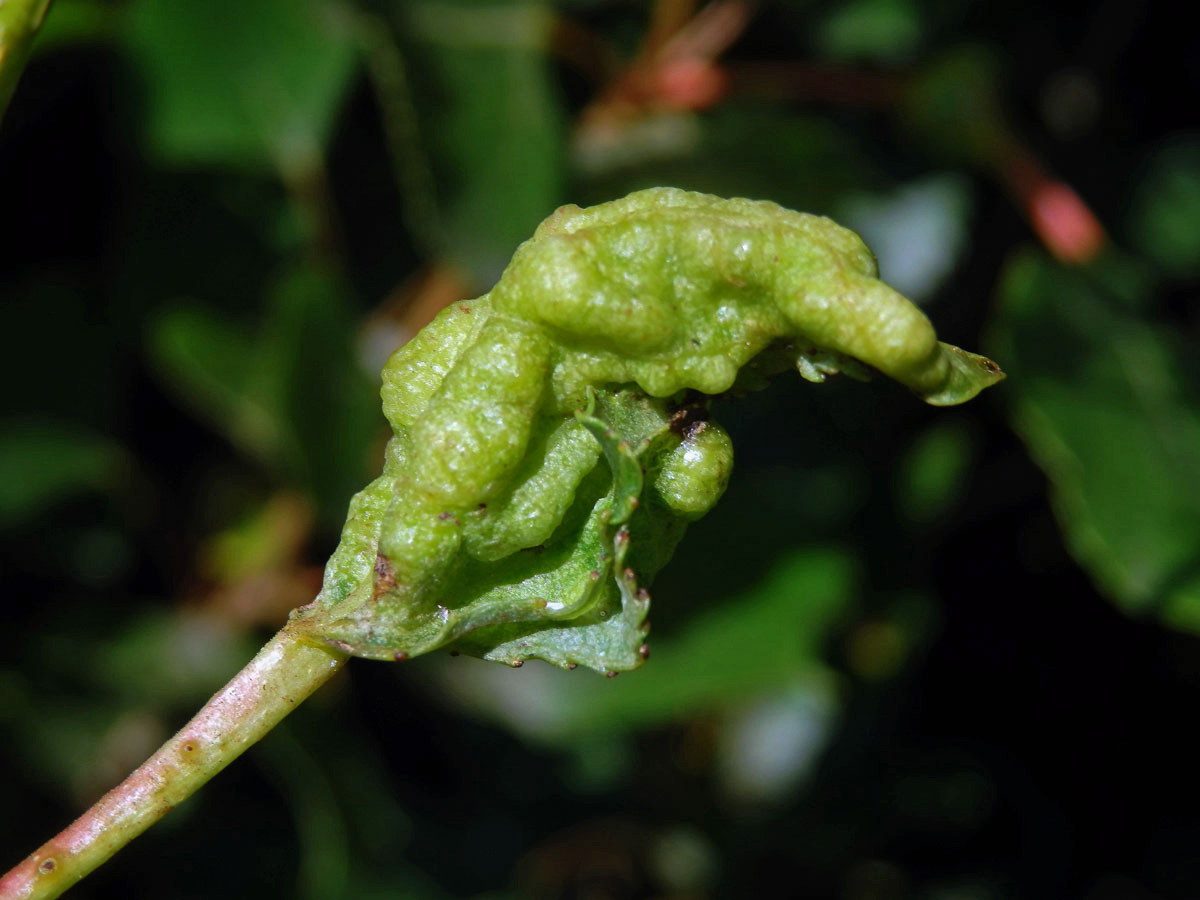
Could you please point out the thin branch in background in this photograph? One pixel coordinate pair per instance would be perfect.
(675, 68)
(673, 74)
(815, 82)
(1061, 219)
(398, 113)
(583, 50)
(709, 33)
(308, 188)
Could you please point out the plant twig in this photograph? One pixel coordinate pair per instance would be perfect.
(285, 672)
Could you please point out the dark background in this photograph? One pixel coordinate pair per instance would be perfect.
(914, 653)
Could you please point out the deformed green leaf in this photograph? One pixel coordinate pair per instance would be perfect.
(568, 592)
(627, 474)
(1104, 404)
(495, 528)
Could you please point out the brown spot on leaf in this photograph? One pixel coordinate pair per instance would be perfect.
(48, 865)
(385, 580)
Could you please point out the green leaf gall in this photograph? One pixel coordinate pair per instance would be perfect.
(552, 438)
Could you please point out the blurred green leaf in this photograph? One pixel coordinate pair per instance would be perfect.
(877, 30)
(1165, 219)
(254, 85)
(78, 22)
(308, 371)
(1104, 404)
(318, 817)
(19, 24)
(952, 106)
(163, 660)
(496, 122)
(61, 736)
(293, 397)
(932, 471)
(54, 462)
(769, 636)
(209, 363)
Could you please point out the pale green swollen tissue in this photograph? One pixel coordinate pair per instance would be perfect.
(552, 437)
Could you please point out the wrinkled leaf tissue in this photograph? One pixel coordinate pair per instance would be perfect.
(552, 438)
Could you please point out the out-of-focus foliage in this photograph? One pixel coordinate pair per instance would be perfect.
(56, 463)
(19, 24)
(1109, 412)
(314, 423)
(758, 642)
(1166, 204)
(912, 653)
(496, 130)
(251, 85)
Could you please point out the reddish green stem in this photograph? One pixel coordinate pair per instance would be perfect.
(282, 675)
